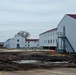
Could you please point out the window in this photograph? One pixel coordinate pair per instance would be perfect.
(17, 40)
(56, 40)
(28, 45)
(53, 41)
(35, 42)
(48, 41)
(28, 42)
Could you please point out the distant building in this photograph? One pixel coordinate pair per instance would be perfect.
(1, 44)
(32, 43)
(20, 42)
(48, 39)
(67, 33)
(15, 42)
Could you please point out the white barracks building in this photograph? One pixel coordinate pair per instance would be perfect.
(67, 33)
(48, 39)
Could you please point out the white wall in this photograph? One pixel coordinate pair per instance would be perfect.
(7, 44)
(32, 44)
(48, 39)
(70, 29)
(12, 43)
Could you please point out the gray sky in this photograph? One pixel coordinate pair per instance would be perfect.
(34, 16)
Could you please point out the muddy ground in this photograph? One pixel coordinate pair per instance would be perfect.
(7, 58)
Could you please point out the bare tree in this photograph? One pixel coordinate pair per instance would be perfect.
(24, 34)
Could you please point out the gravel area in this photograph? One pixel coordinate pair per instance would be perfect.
(55, 71)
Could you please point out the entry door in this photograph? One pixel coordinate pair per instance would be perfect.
(18, 45)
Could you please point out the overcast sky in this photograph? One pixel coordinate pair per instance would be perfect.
(34, 16)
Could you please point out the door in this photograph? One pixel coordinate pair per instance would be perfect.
(18, 45)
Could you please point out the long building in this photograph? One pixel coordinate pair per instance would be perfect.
(31, 43)
(48, 39)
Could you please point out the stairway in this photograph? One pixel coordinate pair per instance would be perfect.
(68, 46)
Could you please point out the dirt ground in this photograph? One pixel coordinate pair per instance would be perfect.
(55, 71)
(7, 67)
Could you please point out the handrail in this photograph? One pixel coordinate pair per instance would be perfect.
(67, 43)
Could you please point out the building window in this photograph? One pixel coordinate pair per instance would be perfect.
(28, 45)
(35, 42)
(28, 42)
(48, 41)
(56, 40)
(17, 40)
(53, 41)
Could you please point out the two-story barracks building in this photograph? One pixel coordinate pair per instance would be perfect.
(48, 39)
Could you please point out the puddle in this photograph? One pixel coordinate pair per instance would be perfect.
(25, 61)
(33, 61)
(57, 62)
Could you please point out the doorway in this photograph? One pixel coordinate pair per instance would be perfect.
(18, 45)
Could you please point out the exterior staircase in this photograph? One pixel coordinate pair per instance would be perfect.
(68, 46)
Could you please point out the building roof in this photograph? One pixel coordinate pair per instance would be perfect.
(48, 31)
(32, 39)
(72, 15)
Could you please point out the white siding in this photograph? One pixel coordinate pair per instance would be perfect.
(70, 29)
(32, 44)
(48, 39)
(12, 43)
